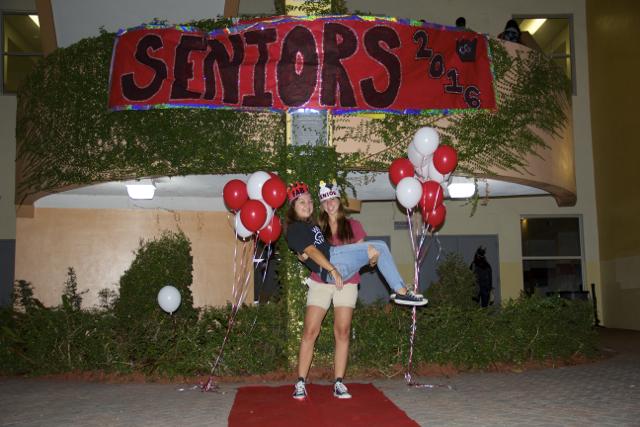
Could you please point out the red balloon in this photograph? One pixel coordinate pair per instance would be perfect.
(445, 159)
(272, 231)
(435, 217)
(400, 168)
(235, 194)
(253, 215)
(432, 195)
(274, 192)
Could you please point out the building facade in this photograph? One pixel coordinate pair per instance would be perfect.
(98, 240)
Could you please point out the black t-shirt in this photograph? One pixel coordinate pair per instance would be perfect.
(302, 234)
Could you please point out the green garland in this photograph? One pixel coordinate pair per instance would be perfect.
(313, 7)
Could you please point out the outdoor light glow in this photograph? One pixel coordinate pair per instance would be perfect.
(35, 19)
(305, 111)
(141, 191)
(461, 190)
(532, 25)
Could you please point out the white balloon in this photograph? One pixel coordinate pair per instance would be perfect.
(434, 174)
(241, 230)
(423, 172)
(255, 183)
(269, 214)
(169, 299)
(409, 192)
(414, 156)
(426, 140)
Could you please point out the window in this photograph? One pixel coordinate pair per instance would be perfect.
(21, 48)
(309, 127)
(554, 35)
(551, 255)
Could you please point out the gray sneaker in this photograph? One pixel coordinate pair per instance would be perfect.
(410, 299)
(340, 390)
(300, 391)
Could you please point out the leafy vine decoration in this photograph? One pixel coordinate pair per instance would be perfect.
(532, 93)
(66, 136)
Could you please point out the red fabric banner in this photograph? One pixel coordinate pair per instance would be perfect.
(341, 63)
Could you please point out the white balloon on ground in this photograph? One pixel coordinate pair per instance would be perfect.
(409, 192)
(241, 230)
(269, 214)
(255, 183)
(426, 140)
(169, 299)
(434, 174)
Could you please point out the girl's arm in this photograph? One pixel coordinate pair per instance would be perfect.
(319, 258)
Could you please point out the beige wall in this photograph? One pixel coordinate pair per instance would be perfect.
(256, 7)
(100, 245)
(614, 29)
(77, 19)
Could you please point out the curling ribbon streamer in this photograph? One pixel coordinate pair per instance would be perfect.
(241, 276)
(419, 253)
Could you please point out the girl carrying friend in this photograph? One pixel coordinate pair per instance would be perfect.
(332, 264)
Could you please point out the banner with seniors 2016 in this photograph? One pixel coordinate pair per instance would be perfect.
(339, 63)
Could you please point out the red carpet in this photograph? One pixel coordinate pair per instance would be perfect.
(274, 406)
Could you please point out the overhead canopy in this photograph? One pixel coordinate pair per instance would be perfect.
(340, 63)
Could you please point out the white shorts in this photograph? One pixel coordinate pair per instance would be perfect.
(322, 294)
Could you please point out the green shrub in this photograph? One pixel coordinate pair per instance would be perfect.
(71, 299)
(256, 345)
(137, 336)
(164, 261)
(151, 338)
(39, 340)
(456, 286)
(52, 340)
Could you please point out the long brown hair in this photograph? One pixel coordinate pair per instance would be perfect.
(345, 233)
(291, 216)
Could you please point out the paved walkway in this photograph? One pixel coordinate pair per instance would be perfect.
(605, 393)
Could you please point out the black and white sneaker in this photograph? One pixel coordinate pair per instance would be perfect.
(300, 391)
(393, 296)
(410, 299)
(340, 390)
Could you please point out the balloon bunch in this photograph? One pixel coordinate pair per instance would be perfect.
(254, 204)
(418, 180)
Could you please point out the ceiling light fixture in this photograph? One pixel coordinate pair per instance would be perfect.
(35, 20)
(141, 191)
(532, 25)
(461, 190)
